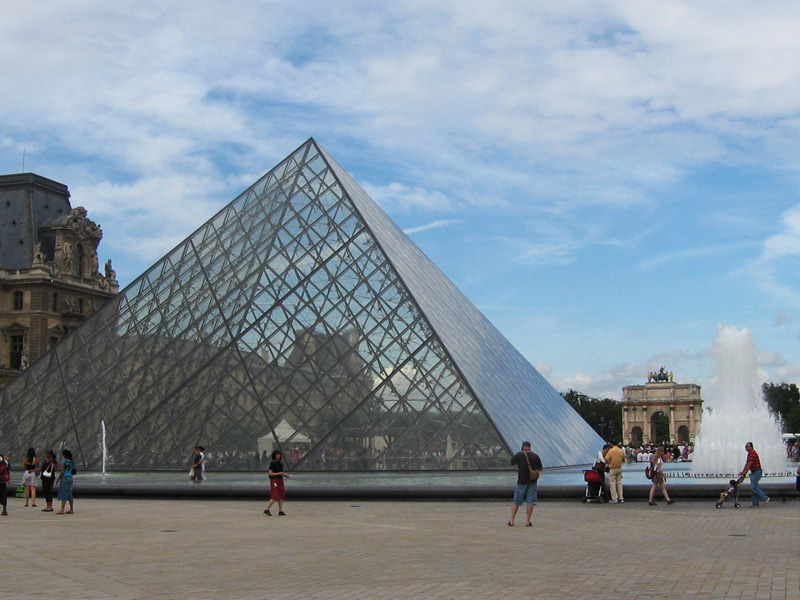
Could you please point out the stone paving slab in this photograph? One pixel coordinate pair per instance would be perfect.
(199, 549)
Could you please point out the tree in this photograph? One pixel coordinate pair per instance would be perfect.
(603, 415)
(784, 402)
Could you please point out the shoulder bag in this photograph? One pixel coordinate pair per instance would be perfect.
(533, 473)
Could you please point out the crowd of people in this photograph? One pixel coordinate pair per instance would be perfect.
(52, 472)
(607, 472)
(680, 452)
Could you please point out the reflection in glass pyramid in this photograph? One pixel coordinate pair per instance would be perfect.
(300, 317)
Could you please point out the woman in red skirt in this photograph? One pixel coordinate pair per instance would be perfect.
(276, 489)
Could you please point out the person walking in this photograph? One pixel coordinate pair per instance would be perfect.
(30, 467)
(198, 465)
(753, 464)
(65, 482)
(5, 479)
(615, 457)
(276, 488)
(659, 479)
(49, 467)
(526, 490)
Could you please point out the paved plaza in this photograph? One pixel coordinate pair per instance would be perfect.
(194, 548)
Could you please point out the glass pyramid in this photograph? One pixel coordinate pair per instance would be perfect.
(300, 317)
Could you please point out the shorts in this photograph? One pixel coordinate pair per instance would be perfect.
(29, 478)
(525, 492)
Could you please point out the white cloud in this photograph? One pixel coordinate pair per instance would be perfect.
(398, 196)
(548, 130)
(428, 226)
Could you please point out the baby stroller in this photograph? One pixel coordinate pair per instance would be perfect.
(594, 486)
(731, 494)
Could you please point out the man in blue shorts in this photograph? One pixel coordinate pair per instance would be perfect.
(526, 489)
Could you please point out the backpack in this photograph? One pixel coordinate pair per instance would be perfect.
(649, 471)
(5, 471)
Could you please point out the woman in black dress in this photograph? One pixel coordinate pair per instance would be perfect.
(49, 473)
(276, 489)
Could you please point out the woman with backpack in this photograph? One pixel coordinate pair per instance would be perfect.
(659, 479)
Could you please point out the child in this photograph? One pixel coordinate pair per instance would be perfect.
(731, 490)
(732, 493)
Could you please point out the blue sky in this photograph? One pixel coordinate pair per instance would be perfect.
(607, 181)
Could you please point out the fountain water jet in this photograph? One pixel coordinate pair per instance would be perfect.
(103, 448)
(735, 413)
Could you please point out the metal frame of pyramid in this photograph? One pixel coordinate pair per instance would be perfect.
(300, 304)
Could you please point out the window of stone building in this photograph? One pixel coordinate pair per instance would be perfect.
(53, 341)
(80, 305)
(55, 302)
(80, 259)
(18, 297)
(17, 344)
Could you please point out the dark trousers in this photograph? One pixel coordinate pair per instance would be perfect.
(47, 487)
(3, 494)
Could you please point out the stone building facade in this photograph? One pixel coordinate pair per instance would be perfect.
(50, 279)
(644, 405)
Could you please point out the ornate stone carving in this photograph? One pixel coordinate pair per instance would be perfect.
(39, 256)
(82, 225)
(66, 257)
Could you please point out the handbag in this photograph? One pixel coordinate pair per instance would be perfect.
(533, 473)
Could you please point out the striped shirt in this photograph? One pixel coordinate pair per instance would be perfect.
(755, 462)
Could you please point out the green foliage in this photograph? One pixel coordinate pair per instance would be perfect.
(784, 402)
(603, 415)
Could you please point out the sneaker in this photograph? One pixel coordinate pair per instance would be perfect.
(622, 501)
(266, 512)
(281, 514)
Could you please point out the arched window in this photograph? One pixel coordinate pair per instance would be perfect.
(636, 436)
(80, 260)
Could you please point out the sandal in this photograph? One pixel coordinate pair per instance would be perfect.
(510, 524)
(528, 524)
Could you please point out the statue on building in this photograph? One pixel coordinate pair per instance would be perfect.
(39, 256)
(660, 376)
(23, 361)
(66, 257)
(111, 274)
(82, 225)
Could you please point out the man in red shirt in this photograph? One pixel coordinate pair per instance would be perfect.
(753, 465)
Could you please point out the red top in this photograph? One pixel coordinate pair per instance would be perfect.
(755, 462)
